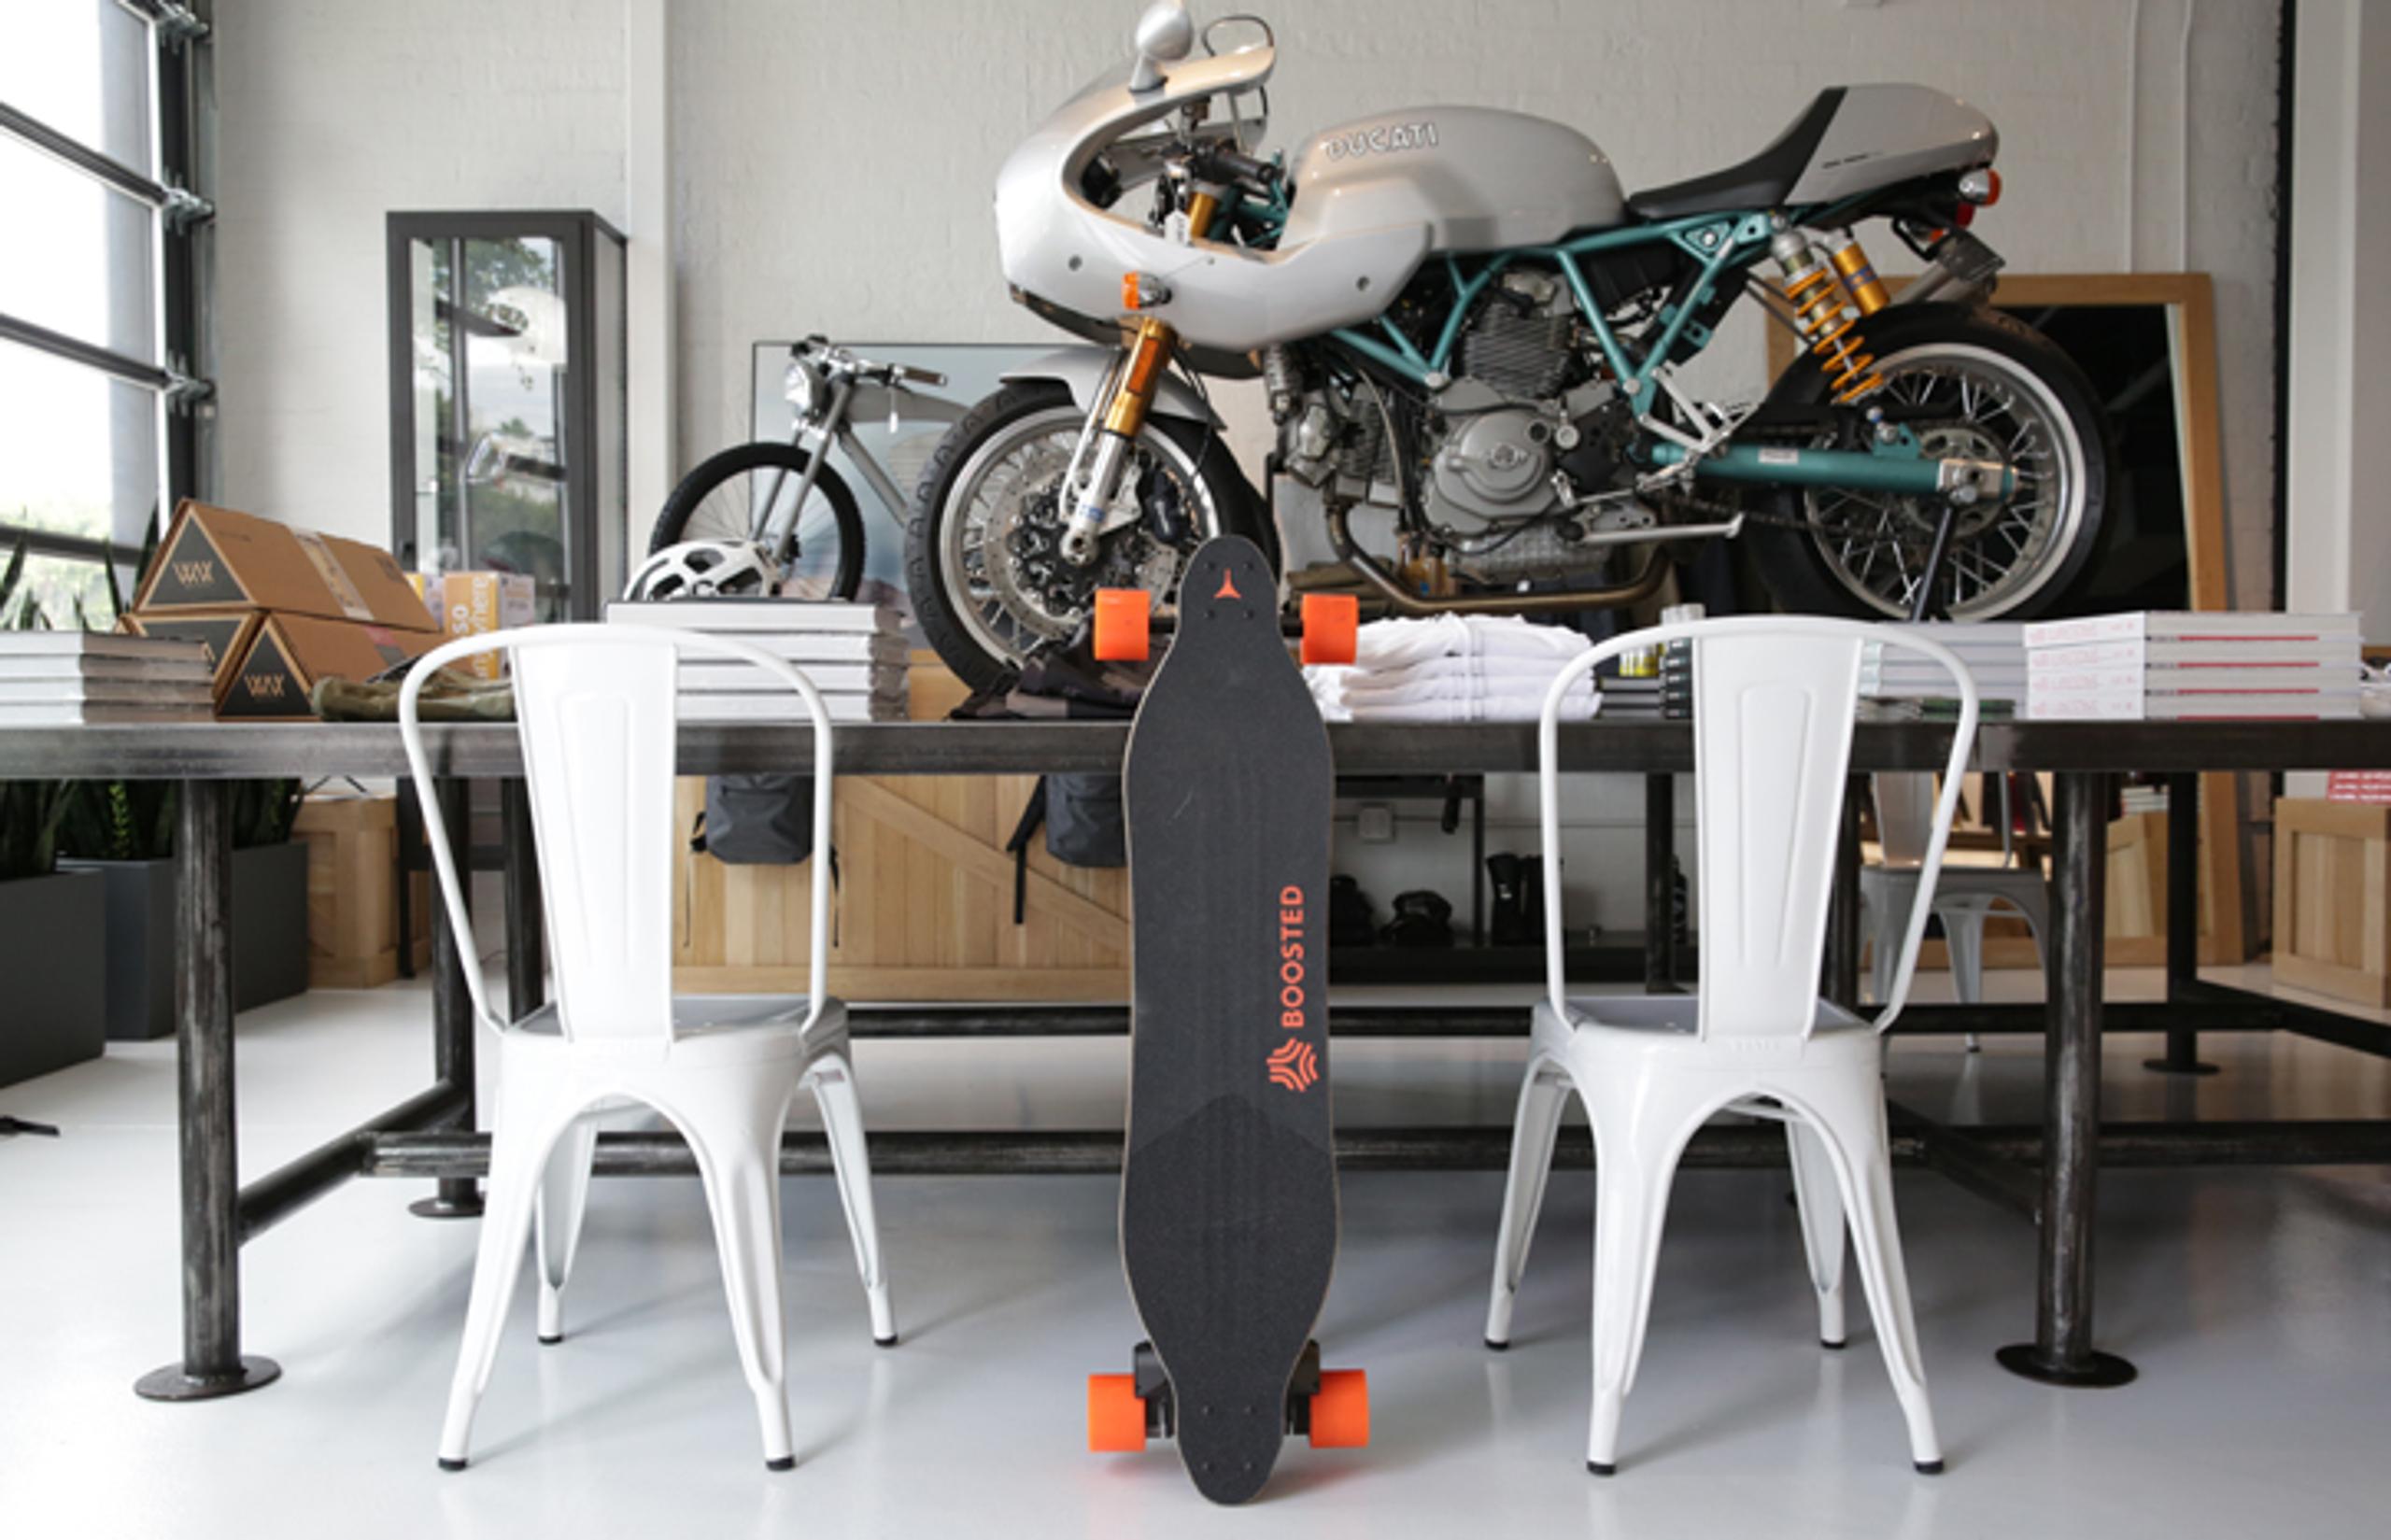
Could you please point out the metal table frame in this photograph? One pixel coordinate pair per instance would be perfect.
(2048, 1173)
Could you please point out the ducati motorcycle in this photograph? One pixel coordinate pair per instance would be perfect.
(1472, 340)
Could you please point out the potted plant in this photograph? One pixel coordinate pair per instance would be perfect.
(50, 921)
(124, 832)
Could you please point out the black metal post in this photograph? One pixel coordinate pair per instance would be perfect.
(452, 1001)
(526, 934)
(2061, 1353)
(2183, 1056)
(212, 1361)
(1660, 883)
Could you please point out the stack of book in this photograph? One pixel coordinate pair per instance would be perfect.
(1665, 695)
(2159, 665)
(854, 654)
(55, 679)
(1905, 684)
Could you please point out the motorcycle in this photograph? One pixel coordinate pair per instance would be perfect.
(1472, 340)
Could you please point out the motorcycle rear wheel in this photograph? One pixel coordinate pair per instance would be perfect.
(2013, 396)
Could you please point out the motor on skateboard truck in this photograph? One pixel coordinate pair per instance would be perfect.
(1229, 1210)
(1329, 1409)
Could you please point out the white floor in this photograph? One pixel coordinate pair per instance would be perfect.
(2258, 1305)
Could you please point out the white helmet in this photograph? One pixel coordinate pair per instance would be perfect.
(706, 569)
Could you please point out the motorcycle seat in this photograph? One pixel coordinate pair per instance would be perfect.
(1760, 182)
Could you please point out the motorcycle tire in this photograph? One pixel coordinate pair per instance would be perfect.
(671, 523)
(1239, 512)
(1792, 561)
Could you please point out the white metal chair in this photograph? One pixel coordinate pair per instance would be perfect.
(1773, 701)
(596, 710)
(1964, 896)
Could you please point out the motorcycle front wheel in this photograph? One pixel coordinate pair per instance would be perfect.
(720, 500)
(1972, 382)
(983, 555)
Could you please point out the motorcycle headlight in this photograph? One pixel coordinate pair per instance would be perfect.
(800, 386)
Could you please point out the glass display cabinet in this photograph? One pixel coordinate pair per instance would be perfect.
(507, 407)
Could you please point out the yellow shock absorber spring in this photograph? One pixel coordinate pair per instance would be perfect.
(1832, 330)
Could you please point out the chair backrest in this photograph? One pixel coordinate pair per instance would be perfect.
(595, 709)
(1773, 700)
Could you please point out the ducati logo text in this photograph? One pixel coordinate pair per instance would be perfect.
(1382, 140)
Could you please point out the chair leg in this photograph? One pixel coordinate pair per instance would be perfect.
(1882, 925)
(1542, 1094)
(1963, 935)
(1819, 1199)
(519, 1147)
(737, 1141)
(834, 1092)
(556, 1214)
(1636, 1163)
(1855, 1126)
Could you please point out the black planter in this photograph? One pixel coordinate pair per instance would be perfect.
(269, 935)
(53, 963)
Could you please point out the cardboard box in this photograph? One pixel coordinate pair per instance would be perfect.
(352, 892)
(216, 559)
(476, 604)
(291, 652)
(224, 635)
(2333, 899)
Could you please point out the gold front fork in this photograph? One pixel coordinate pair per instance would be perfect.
(1125, 415)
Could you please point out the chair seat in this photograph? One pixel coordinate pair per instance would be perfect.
(714, 1028)
(1658, 1029)
(1957, 882)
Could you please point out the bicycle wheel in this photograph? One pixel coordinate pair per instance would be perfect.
(723, 499)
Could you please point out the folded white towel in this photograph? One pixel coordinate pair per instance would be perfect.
(1395, 644)
(1441, 678)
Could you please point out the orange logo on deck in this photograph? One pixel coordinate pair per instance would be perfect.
(1228, 586)
(1295, 1065)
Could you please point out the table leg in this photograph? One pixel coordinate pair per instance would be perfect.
(212, 1361)
(2183, 1056)
(452, 1004)
(1660, 884)
(527, 942)
(2061, 1353)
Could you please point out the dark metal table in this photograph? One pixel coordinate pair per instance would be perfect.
(430, 1134)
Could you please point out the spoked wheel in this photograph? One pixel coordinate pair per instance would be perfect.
(723, 500)
(1972, 384)
(982, 555)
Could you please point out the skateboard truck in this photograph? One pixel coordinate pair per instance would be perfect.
(1125, 622)
(1328, 1407)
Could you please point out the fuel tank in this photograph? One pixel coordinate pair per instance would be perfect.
(1479, 179)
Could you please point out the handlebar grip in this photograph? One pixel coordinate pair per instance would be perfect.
(917, 376)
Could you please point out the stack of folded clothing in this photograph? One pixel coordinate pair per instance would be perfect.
(1452, 669)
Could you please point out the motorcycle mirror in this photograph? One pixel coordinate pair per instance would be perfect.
(1164, 34)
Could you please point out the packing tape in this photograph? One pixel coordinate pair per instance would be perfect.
(335, 577)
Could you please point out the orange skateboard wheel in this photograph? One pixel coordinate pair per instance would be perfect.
(1123, 629)
(1116, 1417)
(1331, 624)
(1340, 1409)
